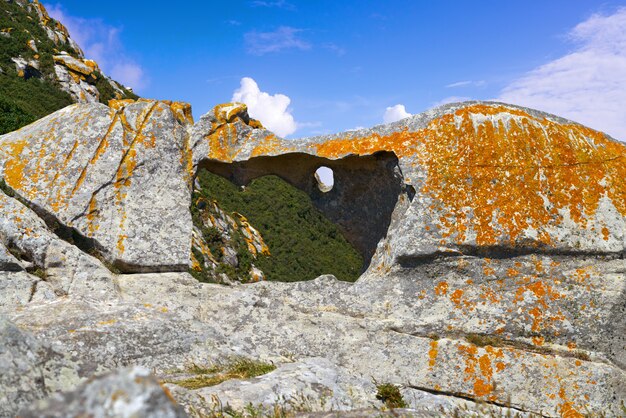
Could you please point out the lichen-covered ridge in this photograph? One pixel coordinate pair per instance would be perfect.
(498, 277)
(486, 175)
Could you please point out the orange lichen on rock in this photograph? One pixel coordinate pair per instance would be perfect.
(456, 296)
(182, 111)
(441, 288)
(566, 408)
(498, 164)
(116, 104)
(544, 295)
(432, 353)
(479, 369)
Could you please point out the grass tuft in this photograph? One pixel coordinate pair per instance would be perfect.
(238, 368)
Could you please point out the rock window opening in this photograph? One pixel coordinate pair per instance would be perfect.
(325, 179)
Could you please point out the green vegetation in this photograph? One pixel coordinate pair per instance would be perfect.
(238, 368)
(215, 242)
(303, 243)
(23, 100)
(390, 395)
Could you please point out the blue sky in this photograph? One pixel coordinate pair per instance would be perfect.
(338, 65)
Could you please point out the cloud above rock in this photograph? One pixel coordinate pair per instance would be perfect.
(588, 85)
(395, 113)
(271, 109)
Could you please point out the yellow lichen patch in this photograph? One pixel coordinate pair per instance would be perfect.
(256, 124)
(456, 296)
(182, 112)
(92, 211)
(14, 167)
(116, 104)
(567, 408)
(195, 264)
(269, 145)
(73, 65)
(432, 353)
(441, 289)
(539, 310)
(120, 243)
(43, 13)
(605, 233)
(91, 64)
(227, 112)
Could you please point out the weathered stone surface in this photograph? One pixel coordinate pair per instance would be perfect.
(314, 384)
(8, 262)
(67, 269)
(127, 393)
(485, 176)
(366, 331)
(80, 90)
(119, 176)
(21, 380)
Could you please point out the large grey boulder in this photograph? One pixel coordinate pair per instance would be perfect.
(118, 176)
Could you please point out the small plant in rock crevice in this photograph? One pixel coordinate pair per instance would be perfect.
(389, 394)
(237, 368)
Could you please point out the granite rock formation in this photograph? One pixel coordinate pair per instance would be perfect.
(494, 236)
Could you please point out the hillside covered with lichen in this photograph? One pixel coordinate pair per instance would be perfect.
(42, 69)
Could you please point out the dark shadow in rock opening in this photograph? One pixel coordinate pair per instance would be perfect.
(361, 202)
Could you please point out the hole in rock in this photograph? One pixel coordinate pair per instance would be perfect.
(309, 231)
(325, 179)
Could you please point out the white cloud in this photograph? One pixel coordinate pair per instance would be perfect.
(285, 37)
(395, 113)
(280, 4)
(101, 43)
(587, 85)
(334, 48)
(271, 109)
(466, 83)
